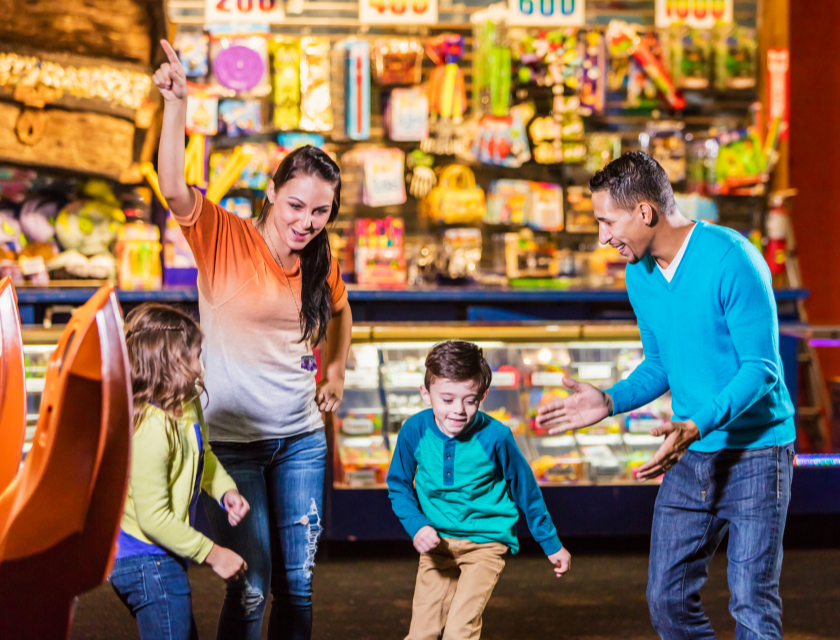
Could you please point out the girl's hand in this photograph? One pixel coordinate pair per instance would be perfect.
(170, 79)
(328, 394)
(237, 506)
(562, 561)
(227, 564)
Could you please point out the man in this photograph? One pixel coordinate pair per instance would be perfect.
(707, 317)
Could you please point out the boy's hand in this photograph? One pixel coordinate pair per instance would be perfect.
(237, 506)
(562, 561)
(426, 539)
(170, 78)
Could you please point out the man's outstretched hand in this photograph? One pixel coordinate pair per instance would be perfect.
(586, 406)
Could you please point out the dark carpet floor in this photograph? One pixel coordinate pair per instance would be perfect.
(603, 597)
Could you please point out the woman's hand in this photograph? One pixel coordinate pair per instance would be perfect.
(329, 392)
(170, 79)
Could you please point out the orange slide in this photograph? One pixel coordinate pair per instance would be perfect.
(60, 515)
(12, 386)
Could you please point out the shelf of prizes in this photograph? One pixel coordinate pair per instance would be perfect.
(466, 135)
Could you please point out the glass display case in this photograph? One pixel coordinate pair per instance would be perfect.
(386, 370)
(38, 346)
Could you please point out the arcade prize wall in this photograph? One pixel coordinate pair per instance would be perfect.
(466, 139)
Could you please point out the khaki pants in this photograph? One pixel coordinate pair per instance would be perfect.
(454, 583)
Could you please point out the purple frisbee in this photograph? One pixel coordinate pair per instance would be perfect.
(238, 68)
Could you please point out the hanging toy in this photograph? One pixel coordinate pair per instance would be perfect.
(195, 161)
(447, 93)
(622, 39)
(504, 141)
(357, 90)
(422, 177)
(548, 58)
(594, 78)
(285, 62)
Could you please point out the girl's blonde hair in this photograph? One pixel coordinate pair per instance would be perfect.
(164, 350)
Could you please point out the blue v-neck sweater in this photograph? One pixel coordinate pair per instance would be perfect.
(711, 335)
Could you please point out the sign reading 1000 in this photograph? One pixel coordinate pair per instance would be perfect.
(554, 13)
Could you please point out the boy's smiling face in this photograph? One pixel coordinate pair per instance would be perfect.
(454, 404)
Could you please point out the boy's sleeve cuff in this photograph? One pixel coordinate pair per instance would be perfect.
(413, 525)
(552, 545)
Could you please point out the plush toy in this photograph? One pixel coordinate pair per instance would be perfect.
(90, 225)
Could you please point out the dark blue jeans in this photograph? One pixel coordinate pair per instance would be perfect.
(745, 492)
(157, 592)
(283, 480)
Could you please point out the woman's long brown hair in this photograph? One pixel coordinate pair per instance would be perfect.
(164, 350)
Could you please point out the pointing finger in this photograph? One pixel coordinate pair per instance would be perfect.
(170, 53)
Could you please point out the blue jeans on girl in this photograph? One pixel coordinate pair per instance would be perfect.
(283, 480)
(156, 590)
(745, 492)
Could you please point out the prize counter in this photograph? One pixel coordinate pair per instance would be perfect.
(531, 338)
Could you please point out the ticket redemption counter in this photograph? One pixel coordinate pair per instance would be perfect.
(531, 339)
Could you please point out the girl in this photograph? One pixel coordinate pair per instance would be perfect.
(170, 463)
(269, 292)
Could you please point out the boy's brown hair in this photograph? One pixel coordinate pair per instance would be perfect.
(458, 361)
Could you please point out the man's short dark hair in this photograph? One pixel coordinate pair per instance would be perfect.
(633, 178)
(458, 361)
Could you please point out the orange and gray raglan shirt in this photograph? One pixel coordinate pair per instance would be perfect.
(256, 378)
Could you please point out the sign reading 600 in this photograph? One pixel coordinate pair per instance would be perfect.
(555, 13)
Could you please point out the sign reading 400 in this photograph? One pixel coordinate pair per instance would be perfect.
(250, 11)
(555, 13)
(398, 11)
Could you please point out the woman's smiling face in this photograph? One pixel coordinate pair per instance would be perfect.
(301, 210)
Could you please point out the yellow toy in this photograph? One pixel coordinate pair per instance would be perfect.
(229, 175)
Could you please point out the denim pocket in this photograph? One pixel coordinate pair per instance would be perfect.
(130, 585)
(791, 455)
(173, 577)
(743, 454)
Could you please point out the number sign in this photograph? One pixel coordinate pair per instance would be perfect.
(701, 14)
(398, 11)
(249, 11)
(553, 13)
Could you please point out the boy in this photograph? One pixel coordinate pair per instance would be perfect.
(455, 483)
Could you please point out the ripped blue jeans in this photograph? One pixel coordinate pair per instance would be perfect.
(283, 481)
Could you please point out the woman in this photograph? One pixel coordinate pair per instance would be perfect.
(269, 292)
